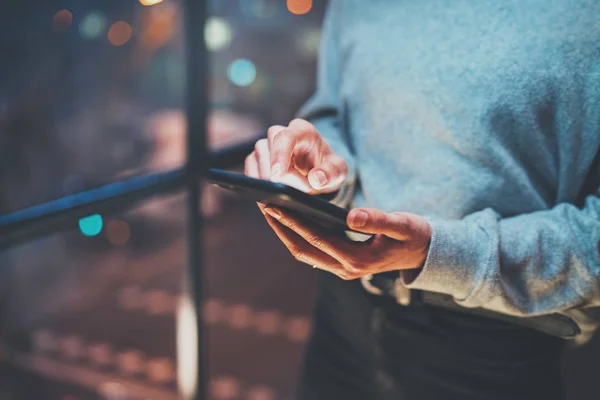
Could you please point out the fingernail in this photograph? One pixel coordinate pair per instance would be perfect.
(276, 171)
(273, 212)
(359, 219)
(319, 179)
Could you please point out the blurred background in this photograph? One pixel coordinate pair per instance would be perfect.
(92, 92)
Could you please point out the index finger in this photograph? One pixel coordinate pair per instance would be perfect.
(284, 144)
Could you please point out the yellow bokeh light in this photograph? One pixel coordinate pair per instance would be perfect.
(299, 7)
(119, 33)
(150, 2)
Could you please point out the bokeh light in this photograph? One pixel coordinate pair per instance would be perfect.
(309, 41)
(240, 316)
(187, 347)
(91, 225)
(119, 33)
(262, 9)
(112, 390)
(150, 2)
(118, 232)
(241, 72)
(159, 26)
(260, 392)
(62, 20)
(92, 25)
(224, 388)
(299, 7)
(217, 33)
(160, 370)
(213, 311)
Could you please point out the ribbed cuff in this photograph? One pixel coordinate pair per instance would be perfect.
(456, 260)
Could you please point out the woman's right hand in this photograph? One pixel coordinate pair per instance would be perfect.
(298, 156)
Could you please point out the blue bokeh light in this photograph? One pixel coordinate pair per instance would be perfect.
(91, 225)
(241, 72)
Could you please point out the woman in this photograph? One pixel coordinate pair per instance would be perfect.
(466, 137)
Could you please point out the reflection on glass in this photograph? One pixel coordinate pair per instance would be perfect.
(96, 93)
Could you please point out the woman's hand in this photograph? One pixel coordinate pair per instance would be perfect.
(400, 242)
(298, 156)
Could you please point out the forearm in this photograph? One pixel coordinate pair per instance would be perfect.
(537, 263)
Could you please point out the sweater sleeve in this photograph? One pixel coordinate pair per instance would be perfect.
(531, 264)
(324, 109)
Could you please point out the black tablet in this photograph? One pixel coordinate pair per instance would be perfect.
(315, 208)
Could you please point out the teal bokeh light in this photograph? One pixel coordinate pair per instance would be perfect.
(91, 226)
(241, 72)
(93, 25)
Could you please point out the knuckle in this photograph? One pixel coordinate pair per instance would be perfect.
(280, 141)
(384, 222)
(302, 125)
(347, 276)
(274, 130)
(401, 221)
(295, 251)
(316, 241)
(290, 224)
(260, 145)
(356, 266)
(340, 165)
(342, 275)
(298, 122)
(299, 255)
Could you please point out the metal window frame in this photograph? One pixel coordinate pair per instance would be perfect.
(52, 217)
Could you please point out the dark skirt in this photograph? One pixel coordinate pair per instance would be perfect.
(368, 347)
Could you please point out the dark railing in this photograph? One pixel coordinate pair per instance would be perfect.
(63, 214)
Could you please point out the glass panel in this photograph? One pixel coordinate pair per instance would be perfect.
(86, 88)
(95, 315)
(93, 91)
(91, 313)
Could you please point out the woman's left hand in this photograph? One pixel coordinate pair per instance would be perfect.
(400, 242)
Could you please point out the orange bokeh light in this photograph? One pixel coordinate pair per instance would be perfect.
(118, 232)
(62, 20)
(159, 26)
(299, 7)
(119, 33)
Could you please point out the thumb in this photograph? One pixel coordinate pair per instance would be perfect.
(328, 175)
(399, 226)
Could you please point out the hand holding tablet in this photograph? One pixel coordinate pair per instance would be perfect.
(315, 208)
(311, 227)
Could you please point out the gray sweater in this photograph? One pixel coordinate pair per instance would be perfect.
(484, 117)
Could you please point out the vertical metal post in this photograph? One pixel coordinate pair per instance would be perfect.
(197, 103)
